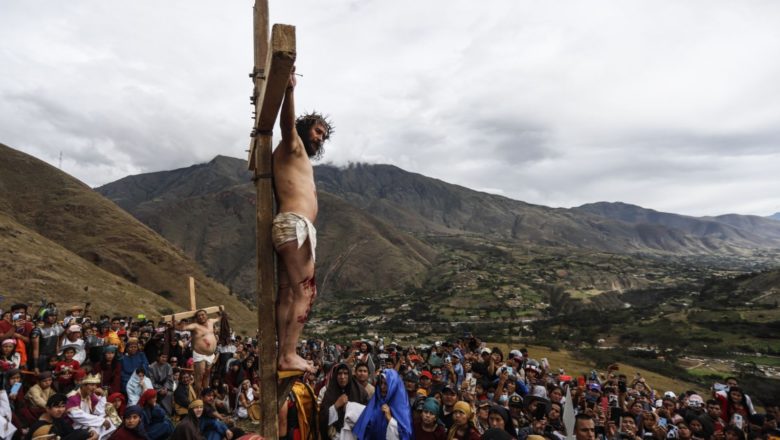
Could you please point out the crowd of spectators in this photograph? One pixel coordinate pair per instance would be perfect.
(66, 374)
(463, 389)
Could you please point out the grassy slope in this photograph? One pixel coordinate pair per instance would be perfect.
(67, 212)
(575, 365)
(33, 267)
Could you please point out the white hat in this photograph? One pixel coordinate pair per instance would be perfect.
(74, 328)
(695, 400)
(670, 395)
(485, 350)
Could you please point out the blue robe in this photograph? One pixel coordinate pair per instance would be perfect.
(130, 364)
(372, 424)
(212, 428)
(156, 423)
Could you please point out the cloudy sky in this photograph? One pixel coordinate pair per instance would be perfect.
(670, 105)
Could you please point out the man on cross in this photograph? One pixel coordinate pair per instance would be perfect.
(293, 232)
(204, 345)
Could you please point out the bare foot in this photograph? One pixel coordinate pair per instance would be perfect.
(295, 362)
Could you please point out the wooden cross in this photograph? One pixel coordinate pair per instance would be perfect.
(191, 312)
(274, 61)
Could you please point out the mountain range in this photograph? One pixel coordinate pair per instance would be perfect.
(399, 253)
(380, 226)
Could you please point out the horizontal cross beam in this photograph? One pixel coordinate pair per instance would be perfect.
(189, 314)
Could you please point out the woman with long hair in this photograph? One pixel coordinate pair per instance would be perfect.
(246, 396)
(250, 369)
(233, 379)
(555, 418)
(110, 370)
(734, 402)
(188, 427)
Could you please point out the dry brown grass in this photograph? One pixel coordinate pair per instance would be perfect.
(89, 228)
(575, 365)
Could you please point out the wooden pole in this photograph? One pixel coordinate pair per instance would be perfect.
(192, 294)
(273, 64)
(266, 270)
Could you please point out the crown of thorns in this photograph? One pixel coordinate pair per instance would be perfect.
(309, 119)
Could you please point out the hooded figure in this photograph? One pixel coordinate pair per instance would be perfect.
(373, 422)
(352, 389)
(188, 428)
(133, 415)
(137, 384)
(508, 426)
(156, 423)
(121, 397)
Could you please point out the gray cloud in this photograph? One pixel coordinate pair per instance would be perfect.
(670, 105)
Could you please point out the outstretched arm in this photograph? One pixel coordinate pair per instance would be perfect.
(287, 117)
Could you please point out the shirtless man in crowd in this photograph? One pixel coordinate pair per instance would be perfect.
(294, 235)
(204, 346)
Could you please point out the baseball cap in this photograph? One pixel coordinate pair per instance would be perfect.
(448, 389)
(515, 401)
(427, 374)
(594, 387)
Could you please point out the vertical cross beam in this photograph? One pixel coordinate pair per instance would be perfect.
(273, 63)
(193, 304)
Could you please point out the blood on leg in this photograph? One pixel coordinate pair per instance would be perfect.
(309, 287)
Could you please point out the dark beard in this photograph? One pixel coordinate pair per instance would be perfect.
(313, 152)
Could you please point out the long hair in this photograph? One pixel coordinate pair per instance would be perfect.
(188, 428)
(305, 122)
